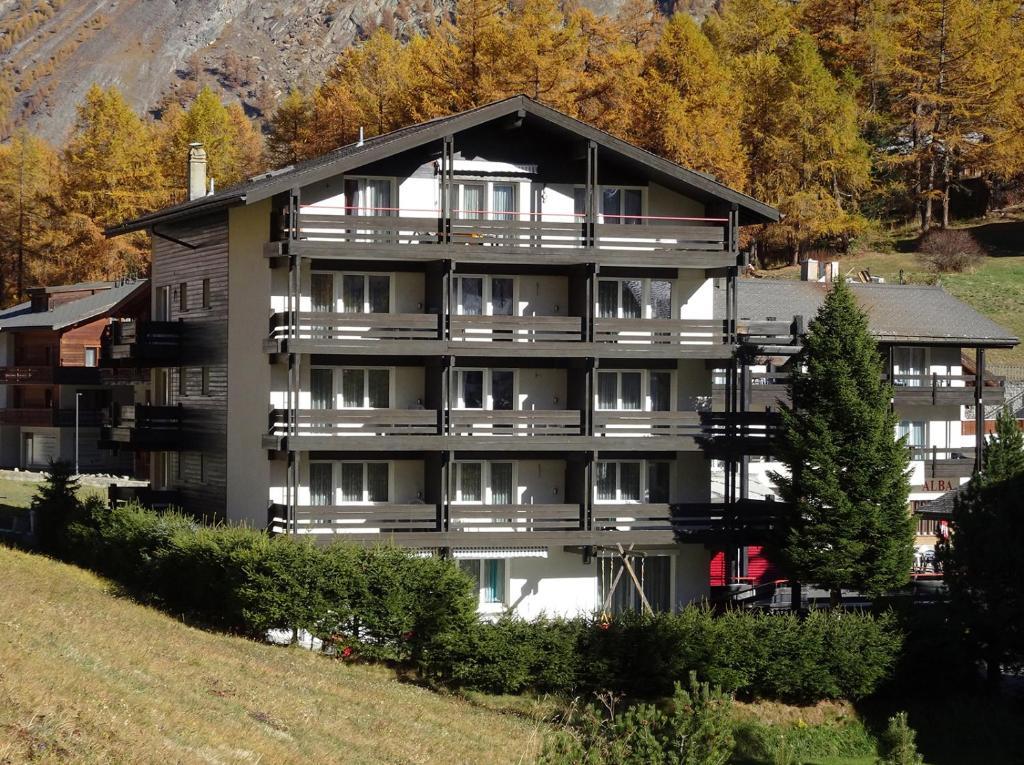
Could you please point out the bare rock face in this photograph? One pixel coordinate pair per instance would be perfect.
(156, 51)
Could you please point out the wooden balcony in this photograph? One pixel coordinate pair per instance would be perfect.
(50, 417)
(420, 334)
(533, 423)
(49, 375)
(944, 463)
(525, 525)
(157, 499)
(148, 428)
(143, 343)
(675, 242)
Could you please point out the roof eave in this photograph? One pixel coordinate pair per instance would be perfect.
(170, 214)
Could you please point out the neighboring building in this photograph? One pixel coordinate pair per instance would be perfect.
(50, 360)
(934, 349)
(491, 334)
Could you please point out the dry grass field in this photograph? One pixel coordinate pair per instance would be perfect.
(89, 677)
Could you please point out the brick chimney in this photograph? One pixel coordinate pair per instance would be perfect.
(196, 171)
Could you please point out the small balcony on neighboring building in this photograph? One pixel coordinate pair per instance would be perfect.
(52, 417)
(144, 427)
(942, 462)
(142, 343)
(49, 375)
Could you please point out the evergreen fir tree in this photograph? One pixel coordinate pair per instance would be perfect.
(981, 560)
(897, 745)
(847, 482)
(55, 505)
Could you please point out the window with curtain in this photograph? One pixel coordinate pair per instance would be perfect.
(654, 573)
(366, 293)
(471, 206)
(470, 478)
(471, 385)
(351, 482)
(629, 482)
(366, 388)
(378, 388)
(377, 482)
(503, 204)
(322, 292)
(660, 391)
(352, 388)
(634, 298)
(608, 299)
(379, 291)
(502, 390)
(618, 481)
(502, 488)
(622, 206)
(321, 388)
(620, 390)
(492, 589)
(916, 435)
(502, 296)
(661, 299)
(353, 293)
(368, 196)
(605, 480)
(607, 390)
(471, 295)
(658, 481)
(910, 363)
(321, 484)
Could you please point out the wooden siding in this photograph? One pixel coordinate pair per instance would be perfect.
(200, 476)
(73, 342)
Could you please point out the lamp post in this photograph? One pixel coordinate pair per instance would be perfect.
(78, 398)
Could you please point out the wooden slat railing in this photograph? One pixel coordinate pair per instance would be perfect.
(635, 423)
(355, 422)
(484, 422)
(524, 518)
(329, 327)
(357, 519)
(672, 332)
(522, 329)
(666, 236)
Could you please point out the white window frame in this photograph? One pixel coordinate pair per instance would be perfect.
(647, 305)
(492, 605)
(644, 488)
(488, 184)
(487, 296)
(339, 393)
(645, 389)
(393, 193)
(910, 351)
(906, 427)
(336, 287)
(600, 200)
(486, 493)
(336, 481)
(488, 394)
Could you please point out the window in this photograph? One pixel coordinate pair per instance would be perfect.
(206, 293)
(909, 366)
(624, 390)
(492, 389)
(655, 575)
(321, 484)
(182, 381)
(620, 205)
(183, 297)
(485, 295)
(634, 299)
(489, 577)
(206, 381)
(365, 482)
(368, 196)
(487, 483)
(632, 481)
(916, 434)
(479, 200)
(350, 293)
(322, 292)
(92, 357)
(366, 388)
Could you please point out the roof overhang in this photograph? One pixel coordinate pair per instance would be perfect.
(380, 147)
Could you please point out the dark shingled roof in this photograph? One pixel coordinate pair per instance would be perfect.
(68, 314)
(354, 155)
(942, 506)
(897, 313)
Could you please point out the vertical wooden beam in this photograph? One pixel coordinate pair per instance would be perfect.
(979, 409)
(592, 195)
(447, 184)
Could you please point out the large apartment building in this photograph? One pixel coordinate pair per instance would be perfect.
(491, 335)
(494, 335)
(55, 389)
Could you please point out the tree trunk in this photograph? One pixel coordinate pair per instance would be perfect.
(926, 222)
(946, 183)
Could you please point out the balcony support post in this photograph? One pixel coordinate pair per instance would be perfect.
(447, 184)
(979, 409)
(590, 222)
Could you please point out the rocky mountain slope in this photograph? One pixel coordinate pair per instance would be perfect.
(51, 51)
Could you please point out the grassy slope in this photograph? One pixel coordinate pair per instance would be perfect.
(89, 677)
(996, 289)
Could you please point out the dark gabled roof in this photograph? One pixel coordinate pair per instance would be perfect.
(943, 505)
(897, 313)
(355, 155)
(21, 316)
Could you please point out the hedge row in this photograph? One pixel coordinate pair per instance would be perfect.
(386, 604)
(381, 603)
(776, 656)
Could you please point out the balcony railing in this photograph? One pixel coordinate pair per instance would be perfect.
(486, 422)
(942, 462)
(513, 518)
(357, 519)
(516, 231)
(643, 424)
(673, 333)
(342, 329)
(49, 375)
(143, 341)
(49, 416)
(354, 422)
(521, 329)
(144, 427)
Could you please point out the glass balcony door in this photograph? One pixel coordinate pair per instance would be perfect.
(337, 292)
(634, 299)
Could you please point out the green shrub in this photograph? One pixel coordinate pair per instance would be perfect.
(695, 729)
(897, 747)
(56, 506)
(791, 744)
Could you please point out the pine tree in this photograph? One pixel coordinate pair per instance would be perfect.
(847, 482)
(55, 505)
(897, 745)
(981, 559)
(287, 129)
(686, 105)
